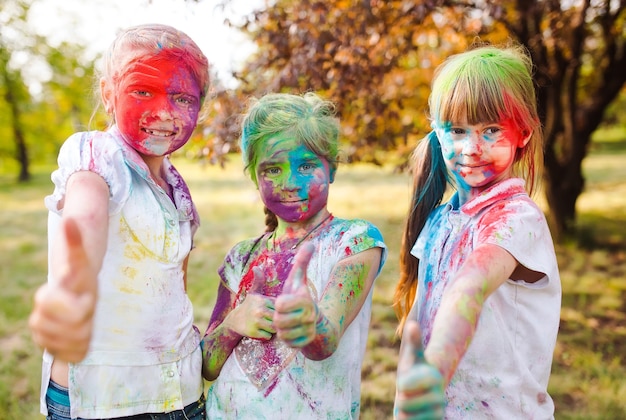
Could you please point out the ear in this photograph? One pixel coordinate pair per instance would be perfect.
(107, 96)
(331, 173)
(524, 139)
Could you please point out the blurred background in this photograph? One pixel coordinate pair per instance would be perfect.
(375, 60)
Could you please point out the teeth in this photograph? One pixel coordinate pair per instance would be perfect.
(158, 133)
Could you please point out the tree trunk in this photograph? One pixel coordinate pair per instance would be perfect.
(563, 185)
(21, 151)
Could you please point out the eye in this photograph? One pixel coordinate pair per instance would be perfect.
(143, 93)
(490, 131)
(307, 167)
(272, 171)
(185, 99)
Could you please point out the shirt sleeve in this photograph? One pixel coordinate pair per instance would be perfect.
(520, 227)
(231, 270)
(97, 152)
(360, 235)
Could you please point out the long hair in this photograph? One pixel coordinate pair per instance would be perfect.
(307, 118)
(430, 180)
(485, 84)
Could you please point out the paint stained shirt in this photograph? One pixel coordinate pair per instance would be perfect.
(504, 373)
(269, 380)
(144, 355)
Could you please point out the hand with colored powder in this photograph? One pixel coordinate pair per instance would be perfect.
(419, 389)
(296, 313)
(62, 318)
(254, 316)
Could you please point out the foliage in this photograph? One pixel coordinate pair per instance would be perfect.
(375, 60)
(46, 90)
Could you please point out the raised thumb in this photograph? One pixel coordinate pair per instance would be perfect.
(412, 347)
(258, 280)
(297, 276)
(76, 271)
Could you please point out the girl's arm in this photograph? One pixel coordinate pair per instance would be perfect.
(486, 268)
(62, 317)
(317, 328)
(228, 325)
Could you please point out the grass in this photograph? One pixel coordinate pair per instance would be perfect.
(590, 358)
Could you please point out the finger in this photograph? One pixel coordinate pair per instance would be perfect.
(258, 280)
(76, 273)
(63, 306)
(297, 275)
(412, 347)
(296, 337)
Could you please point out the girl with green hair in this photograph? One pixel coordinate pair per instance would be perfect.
(288, 332)
(479, 293)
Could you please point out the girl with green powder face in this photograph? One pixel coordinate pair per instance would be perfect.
(288, 332)
(479, 293)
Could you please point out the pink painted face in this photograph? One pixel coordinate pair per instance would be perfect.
(292, 180)
(480, 155)
(156, 105)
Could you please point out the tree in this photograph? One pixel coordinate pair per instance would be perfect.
(375, 60)
(14, 91)
(579, 49)
(39, 110)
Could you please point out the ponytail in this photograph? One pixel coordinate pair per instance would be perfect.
(430, 179)
(271, 221)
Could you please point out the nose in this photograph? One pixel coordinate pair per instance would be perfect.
(472, 145)
(164, 109)
(291, 182)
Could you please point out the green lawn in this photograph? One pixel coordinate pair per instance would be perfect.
(590, 359)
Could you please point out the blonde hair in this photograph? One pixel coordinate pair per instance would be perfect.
(150, 40)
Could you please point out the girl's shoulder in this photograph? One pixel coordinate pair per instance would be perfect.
(338, 222)
(103, 141)
(243, 249)
(355, 227)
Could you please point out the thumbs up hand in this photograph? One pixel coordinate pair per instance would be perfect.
(419, 387)
(253, 317)
(296, 313)
(62, 317)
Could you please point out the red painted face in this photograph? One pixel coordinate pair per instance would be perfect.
(156, 105)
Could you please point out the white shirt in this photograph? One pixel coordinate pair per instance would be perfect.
(144, 354)
(504, 373)
(269, 380)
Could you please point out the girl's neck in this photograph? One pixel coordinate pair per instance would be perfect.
(466, 194)
(155, 166)
(295, 229)
(290, 235)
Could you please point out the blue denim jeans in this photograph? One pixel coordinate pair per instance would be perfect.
(194, 411)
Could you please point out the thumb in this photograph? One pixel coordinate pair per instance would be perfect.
(297, 276)
(76, 271)
(258, 280)
(412, 347)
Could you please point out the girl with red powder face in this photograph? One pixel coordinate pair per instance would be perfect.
(479, 293)
(288, 332)
(114, 317)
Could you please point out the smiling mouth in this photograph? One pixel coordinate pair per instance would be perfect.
(474, 166)
(158, 133)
